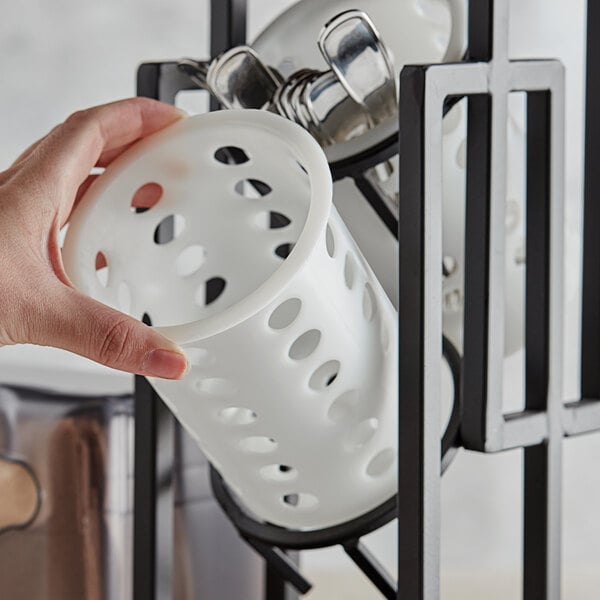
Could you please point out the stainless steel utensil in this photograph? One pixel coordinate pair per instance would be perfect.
(196, 70)
(239, 79)
(352, 47)
(356, 94)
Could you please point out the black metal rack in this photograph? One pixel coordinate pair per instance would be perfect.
(538, 429)
(425, 93)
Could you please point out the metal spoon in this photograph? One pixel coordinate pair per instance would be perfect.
(239, 79)
(352, 47)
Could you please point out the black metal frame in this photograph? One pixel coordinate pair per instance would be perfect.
(540, 427)
(584, 415)
(154, 457)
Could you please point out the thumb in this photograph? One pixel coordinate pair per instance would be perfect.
(77, 323)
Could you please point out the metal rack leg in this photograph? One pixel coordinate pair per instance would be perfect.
(418, 468)
(227, 28)
(367, 562)
(542, 463)
(154, 453)
(590, 331)
(154, 449)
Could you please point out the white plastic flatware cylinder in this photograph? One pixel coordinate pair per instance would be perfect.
(292, 387)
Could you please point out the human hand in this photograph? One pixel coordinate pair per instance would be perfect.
(38, 192)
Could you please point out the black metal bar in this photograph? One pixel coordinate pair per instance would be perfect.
(481, 33)
(372, 568)
(154, 433)
(227, 29)
(227, 25)
(477, 232)
(274, 583)
(144, 523)
(536, 464)
(537, 250)
(590, 330)
(477, 225)
(148, 80)
(477, 267)
(162, 81)
(283, 569)
(410, 337)
(535, 515)
(276, 587)
(372, 196)
(145, 424)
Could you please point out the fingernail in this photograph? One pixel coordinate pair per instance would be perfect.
(164, 363)
(182, 112)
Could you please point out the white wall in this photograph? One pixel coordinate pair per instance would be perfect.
(56, 57)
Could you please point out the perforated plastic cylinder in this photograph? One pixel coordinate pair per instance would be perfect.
(292, 390)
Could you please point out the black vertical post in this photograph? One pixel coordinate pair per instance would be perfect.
(274, 585)
(144, 511)
(477, 248)
(144, 522)
(411, 442)
(154, 429)
(590, 331)
(477, 232)
(481, 30)
(227, 29)
(536, 466)
(148, 80)
(153, 481)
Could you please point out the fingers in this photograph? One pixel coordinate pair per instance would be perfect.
(47, 311)
(72, 149)
(77, 323)
(36, 306)
(84, 187)
(28, 151)
(103, 161)
(109, 155)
